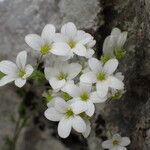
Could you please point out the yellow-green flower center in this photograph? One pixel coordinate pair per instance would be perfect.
(84, 96)
(69, 113)
(62, 76)
(72, 43)
(101, 76)
(45, 49)
(21, 73)
(115, 142)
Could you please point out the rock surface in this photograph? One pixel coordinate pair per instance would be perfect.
(131, 115)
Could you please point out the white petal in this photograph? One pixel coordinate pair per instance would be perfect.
(88, 77)
(6, 79)
(73, 70)
(51, 103)
(78, 124)
(85, 87)
(64, 127)
(69, 29)
(118, 148)
(90, 109)
(107, 144)
(20, 82)
(79, 50)
(122, 39)
(115, 83)
(60, 38)
(8, 67)
(125, 141)
(102, 89)
(50, 72)
(119, 76)
(88, 129)
(89, 53)
(21, 59)
(96, 99)
(60, 49)
(95, 64)
(115, 32)
(34, 41)
(28, 70)
(52, 114)
(110, 66)
(48, 33)
(71, 89)
(78, 107)
(60, 104)
(56, 84)
(108, 45)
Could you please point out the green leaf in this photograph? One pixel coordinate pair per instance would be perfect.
(2, 75)
(66, 96)
(37, 75)
(119, 53)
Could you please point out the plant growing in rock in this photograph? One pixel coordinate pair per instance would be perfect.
(77, 80)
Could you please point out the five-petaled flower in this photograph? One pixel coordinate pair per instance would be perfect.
(61, 74)
(67, 115)
(116, 143)
(83, 93)
(45, 43)
(103, 76)
(78, 41)
(18, 72)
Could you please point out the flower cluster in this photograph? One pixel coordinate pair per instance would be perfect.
(75, 86)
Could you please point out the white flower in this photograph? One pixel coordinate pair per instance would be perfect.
(18, 72)
(78, 41)
(82, 93)
(102, 76)
(114, 42)
(68, 117)
(116, 143)
(61, 74)
(45, 43)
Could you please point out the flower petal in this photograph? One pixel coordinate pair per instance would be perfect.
(60, 49)
(71, 89)
(110, 66)
(60, 104)
(95, 65)
(64, 127)
(6, 79)
(8, 67)
(89, 53)
(122, 39)
(107, 144)
(90, 109)
(108, 45)
(28, 70)
(21, 59)
(78, 107)
(88, 77)
(125, 141)
(20, 82)
(78, 124)
(56, 84)
(79, 50)
(115, 83)
(48, 33)
(118, 148)
(50, 72)
(102, 89)
(96, 99)
(69, 29)
(34, 41)
(88, 129)
(52, 114)
(115, 32)
(73, 70)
